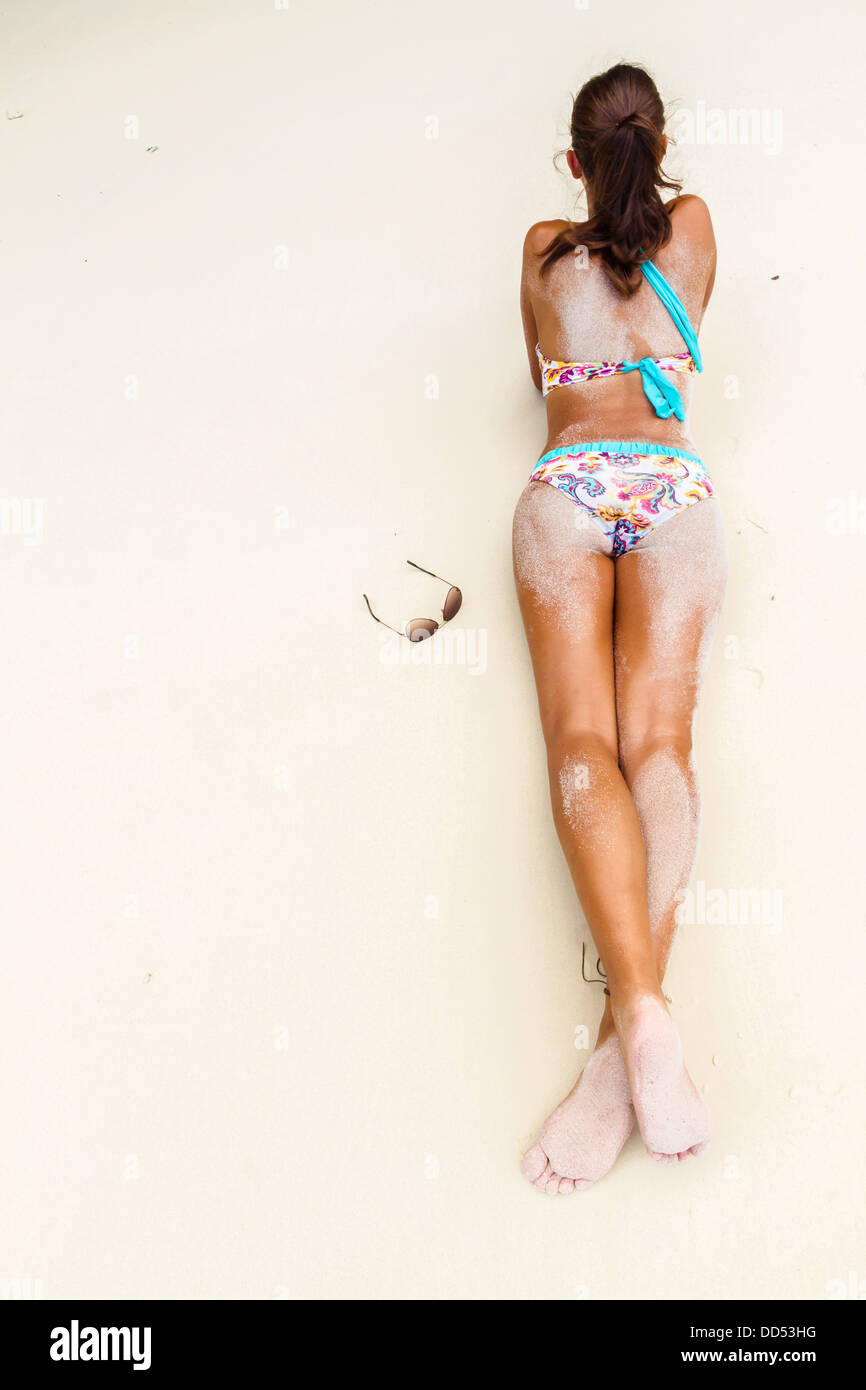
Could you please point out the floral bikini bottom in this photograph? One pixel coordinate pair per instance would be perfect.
(628, 488)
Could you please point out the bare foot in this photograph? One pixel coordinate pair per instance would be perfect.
(673, 1120)
(581, 1140)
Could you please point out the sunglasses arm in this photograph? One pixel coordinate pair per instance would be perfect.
(381, 620)
(431, 574)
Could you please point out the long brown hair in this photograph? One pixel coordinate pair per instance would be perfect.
(617, 128)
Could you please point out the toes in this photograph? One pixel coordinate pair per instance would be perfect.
(694, 1152)
(534, 1163)
(580, 1184)
(548, 1181)
(544, 1177)
(566, 1184)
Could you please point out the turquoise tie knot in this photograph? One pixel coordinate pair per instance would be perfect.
(662, 395)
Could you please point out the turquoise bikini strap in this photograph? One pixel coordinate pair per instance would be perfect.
(672, 303)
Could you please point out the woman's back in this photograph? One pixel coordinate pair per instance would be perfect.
(577, 315)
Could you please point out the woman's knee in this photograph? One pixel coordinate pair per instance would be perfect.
(654, 744)
(572, 743)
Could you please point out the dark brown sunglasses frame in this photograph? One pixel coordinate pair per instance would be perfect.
(436, 626)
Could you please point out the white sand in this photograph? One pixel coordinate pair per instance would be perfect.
(293, 961)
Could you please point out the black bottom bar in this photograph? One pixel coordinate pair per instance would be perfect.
(219, 1339)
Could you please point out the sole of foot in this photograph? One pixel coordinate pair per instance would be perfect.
(583, 1137)
(673, 1120)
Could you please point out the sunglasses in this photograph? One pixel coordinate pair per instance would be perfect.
(419, 629)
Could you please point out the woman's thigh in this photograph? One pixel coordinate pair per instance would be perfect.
(669, 592)
(565, 584)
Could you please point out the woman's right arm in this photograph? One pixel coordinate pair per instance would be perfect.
(693, 216)
(530, 330)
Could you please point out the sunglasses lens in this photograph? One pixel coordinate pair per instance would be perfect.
(420, 629)
(452, 604)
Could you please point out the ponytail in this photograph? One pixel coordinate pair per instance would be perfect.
(617, 129)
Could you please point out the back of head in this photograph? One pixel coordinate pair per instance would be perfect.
(617, 134)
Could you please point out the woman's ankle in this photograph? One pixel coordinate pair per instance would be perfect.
(629, 995)
(607, 1026)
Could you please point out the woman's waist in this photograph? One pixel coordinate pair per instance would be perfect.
(596, 428)
(578, 415)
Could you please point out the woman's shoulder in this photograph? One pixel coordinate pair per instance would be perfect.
(541, 234)
(695, 240)
(690, 214)
(693, 230)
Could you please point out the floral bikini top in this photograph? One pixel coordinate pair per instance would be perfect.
(660, 391)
